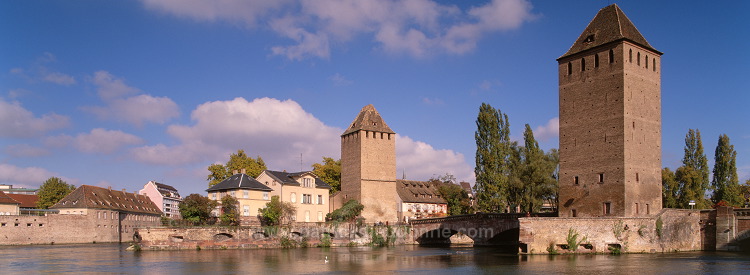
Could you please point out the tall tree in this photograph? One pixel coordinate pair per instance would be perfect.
(493, 145)
(457, 198)
(692, 176)
(670, 188)
(537, 174)
(230, 214)
(330, 172)
(695, 157)
(52, 190)
(196, 208)
(725, 182)
(237, 162)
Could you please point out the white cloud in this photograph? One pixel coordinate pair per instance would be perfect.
(124, 104)
(414, 27)
(59, 78)
(420, 161)
(339, 80)
(97, 141)
(432, 101)
(39, 71)
(25, 150)
(17, 122)
(30, 177)
(549, 131)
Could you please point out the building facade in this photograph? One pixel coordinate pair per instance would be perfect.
(251, 195)
(610, 121)
(307, 192)
(8, 206)
(166, 197)
(368, 166)
(420, 199)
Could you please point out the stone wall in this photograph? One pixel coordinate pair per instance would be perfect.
(679, 231)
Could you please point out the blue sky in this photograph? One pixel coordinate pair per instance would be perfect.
(117, 93)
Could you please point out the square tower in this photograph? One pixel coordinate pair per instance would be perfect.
(610, 121)
(368, 166)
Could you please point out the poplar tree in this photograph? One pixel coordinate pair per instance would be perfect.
(493, 145)
(725, 182)
(670, 188)
(692, 176)
(537, 174)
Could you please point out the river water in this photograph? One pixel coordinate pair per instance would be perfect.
(113, 258)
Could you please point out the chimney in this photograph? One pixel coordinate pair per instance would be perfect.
(123, 190)
(234, 172)
(244, 171)
(110, 188)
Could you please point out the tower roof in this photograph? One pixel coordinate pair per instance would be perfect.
(608, 26)
(368, 119)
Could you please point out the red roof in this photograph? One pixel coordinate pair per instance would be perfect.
(4, 199)
(27, 201)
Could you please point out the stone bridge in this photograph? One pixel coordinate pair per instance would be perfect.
(485, 229)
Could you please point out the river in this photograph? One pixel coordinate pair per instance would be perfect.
(113, 258)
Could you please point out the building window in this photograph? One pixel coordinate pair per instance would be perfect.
(320, 199)
(636, 208)
(596, 60)
(611, 56)
(307, 198)
(246, 210)
(570, 68)
(646, 61)
(607, 208)
(653, 65)
(630, 55)
(575, 180)
(601, 177)
(245, 194)
(231, 193)
(320, 216)
(307, 214)
(293, 199)
(213, 196)
(265, 196)
(638, 61)
(637, 177)
(574, 213)
(648, 210)
(583, 64)
(307, 182)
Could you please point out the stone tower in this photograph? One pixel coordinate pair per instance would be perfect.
(368, 166)
(610, 121)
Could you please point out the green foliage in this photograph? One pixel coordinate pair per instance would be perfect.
(642, 230)
(493, 156)
(537, 175)
(325, 241)
(286, 242)
(330, 172)
(277, 212)
(237, 162)
(52, 190)
(617, 229)
(230, 211)
(196, 209)
(378, 240)
(692, 176)
(659, 225)
(551, 249)
(457, 198)
(573, 239)
(725, 182)
(347, 213)
(614, 250)
(670, 188)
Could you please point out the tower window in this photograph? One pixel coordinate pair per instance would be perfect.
(575, 180)
(601, 177)
(636, 208)
(611, 56)
(574, 212)
(654, 64)
(637, 177)
(638, 61)
(646, 61)
(648, 210)
(630, 55)
(607, 208)
(583, 64)
(570, 68)
(589, 38)
(596, 60)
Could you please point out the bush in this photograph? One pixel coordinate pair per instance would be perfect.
(277, 212)
(573, 240)
(326, 241)
(287, 242)
(347, 213)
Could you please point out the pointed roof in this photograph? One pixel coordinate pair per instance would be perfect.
(285, 178)
(27, 201)
(368, 119)
(5, 199)
(239, 181)
(608, 26)
(94, 197)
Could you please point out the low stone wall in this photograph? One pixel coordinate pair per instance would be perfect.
(670, 230)
(176, 238)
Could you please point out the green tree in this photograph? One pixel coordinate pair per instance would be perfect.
(456, 197)
(230, 214)
(725, 182)
(670, 188)
(695, 157)
(493, 159)
(330, 172)
(196, 209)
(691, 182)
(347, 213)
(52, 190)
(277, 212)
(537, 174)
(237, 162)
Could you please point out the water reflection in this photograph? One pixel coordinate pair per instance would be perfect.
(108, 258)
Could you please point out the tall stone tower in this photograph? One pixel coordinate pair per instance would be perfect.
(368, 166)
(610, 121)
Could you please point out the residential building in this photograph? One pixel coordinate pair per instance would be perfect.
(420, 199)
(610, 121)
(8, 206)
(303, 189)
(27, 203)
(166, 197)
(8, 189)
(250, 194)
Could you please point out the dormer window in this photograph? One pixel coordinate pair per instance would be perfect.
(589, 38)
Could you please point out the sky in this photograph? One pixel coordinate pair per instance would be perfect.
(118, 93)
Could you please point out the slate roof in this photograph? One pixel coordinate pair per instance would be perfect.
(94, 197)
(239, 181)
(609, 25)
(368, 119)
(286, 178)
(27, 201)
(5, 199)
(167, 190)
(418, 191)
(467, 187)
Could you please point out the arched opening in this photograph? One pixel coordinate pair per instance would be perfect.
(440, 236)
(222, 237)
(259, 235)
(506, 240)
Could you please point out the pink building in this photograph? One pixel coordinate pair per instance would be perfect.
(165, 197)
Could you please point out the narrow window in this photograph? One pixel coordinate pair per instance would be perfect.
(637, 178)
(630, 55)
(570, 68)
(575, 180)
(583, 64)
(574, 212)
(607, 208)
(596, 60)
(636, 208)
(611, 56)
(654, 64)
(646, 61)
(648, 210)
(638, 61)
(601, 177)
